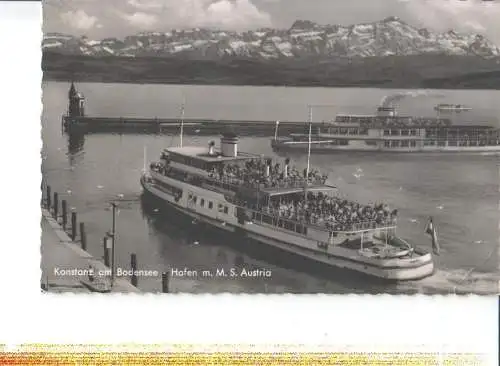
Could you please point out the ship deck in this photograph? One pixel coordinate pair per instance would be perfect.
(201, 153)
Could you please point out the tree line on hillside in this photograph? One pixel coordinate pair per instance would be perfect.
(435, 71)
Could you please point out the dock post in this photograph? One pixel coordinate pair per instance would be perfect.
(164, 282)
(73, 226)
(133, 265)
(106, 251)
(64, 205)
(83, 236)
(42, 189)
(48, 195)
(56, 205)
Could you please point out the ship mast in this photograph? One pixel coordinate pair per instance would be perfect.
(308, 153)
(182, 119)
(309, 142)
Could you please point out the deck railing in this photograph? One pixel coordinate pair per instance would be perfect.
(368, 225)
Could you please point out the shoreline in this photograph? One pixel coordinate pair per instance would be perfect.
(384, 73)
(94, 80)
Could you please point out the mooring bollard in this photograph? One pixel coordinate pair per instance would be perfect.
(164, 282)
(73, 226)
(106, 251)
(49, 200)
(83, 236)
(64, 205)
(56, 205)
(133, 265)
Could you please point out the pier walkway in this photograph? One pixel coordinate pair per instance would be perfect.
(65, 266)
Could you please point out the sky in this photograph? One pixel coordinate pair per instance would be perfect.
(119, 18)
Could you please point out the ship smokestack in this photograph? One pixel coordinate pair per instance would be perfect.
(211, 145)
(268, 167)
(229, 144)
(285, 170)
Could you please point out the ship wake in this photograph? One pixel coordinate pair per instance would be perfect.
(458, 281)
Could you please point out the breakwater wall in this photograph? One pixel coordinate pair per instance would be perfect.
(88, 124)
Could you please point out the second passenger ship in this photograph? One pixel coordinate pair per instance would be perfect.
(275, 204)
(387, 131)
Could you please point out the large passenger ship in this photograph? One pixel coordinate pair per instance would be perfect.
(389, 132)
(275, 204)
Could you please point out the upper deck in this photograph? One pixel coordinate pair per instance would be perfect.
(202, 154)
(238, 171)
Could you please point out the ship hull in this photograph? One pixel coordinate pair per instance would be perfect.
(327, 149)
(422, 266)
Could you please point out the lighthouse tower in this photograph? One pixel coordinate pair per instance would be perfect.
(76, 102)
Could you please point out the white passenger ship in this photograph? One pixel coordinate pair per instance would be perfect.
(275, 205)
(389, 132)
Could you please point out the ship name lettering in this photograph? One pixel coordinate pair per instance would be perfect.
(255, 273)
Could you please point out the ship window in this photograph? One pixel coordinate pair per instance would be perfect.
(343, 131)
(429, 142)
(413, 132)
(371, 143)
(210, 205)
(404, 132)
(386, 132)
(195, 199)
(413, 143)
(226, 210)
(394, 143)
(363, 131)
(335, 131)
(353, 131)
(405, 143)
(190, 197)
(168, 188)
(387, 143)
(394, 132)
(202, 202)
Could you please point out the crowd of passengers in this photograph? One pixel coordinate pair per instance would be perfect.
(265, 174)
(335, 213)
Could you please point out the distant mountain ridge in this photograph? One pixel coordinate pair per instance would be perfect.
(388, 37)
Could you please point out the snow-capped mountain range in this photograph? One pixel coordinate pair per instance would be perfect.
(390, 36)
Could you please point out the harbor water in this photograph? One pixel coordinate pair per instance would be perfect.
(460, 191)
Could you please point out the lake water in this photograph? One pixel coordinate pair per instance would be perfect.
(459, 191)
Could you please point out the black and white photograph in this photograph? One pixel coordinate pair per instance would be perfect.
(270, 146)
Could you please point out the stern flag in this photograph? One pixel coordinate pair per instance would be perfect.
(431, 230)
